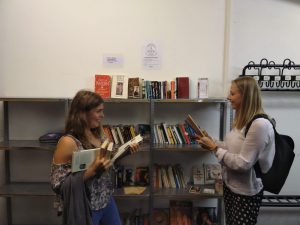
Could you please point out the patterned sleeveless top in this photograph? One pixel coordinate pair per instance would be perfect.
(100, 189)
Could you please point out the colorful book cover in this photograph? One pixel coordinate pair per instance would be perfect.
(181, 212)
(160, 216)
(205, 216)
(134, 87)
(102, 85)
(119, 86)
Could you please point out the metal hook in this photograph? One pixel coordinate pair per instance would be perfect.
(288, 83)
(293, 84)
(262, 65)
(261, 83)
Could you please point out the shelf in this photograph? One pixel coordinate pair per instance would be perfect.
(119, 193)
(204, 100)
(133, 100)
(25, 145)
(35, 224)
(19, 189)
(177, 148)
(181, 193)
(281, 201)
(34, 99)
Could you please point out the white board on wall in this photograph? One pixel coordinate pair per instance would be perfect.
(53, 48)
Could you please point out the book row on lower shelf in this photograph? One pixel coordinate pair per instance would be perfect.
(130, 176)
(183, 212)
(180, 212)
(172, 176)
(204, 179)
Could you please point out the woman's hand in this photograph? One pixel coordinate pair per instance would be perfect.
(99, 165)
(134, 147)
(207, 143)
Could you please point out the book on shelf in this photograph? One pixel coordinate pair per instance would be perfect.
(202, 88)
(205, 216)
(145, 131)
(136, 217)
(161, 216)
(141, 176)
(198, 175)
(212, 172)
(135, 87)
(103, 85)
(219, 186)
(173, 90)
(119, 86)
(128, 179)
(181, 212)
(183, 87)
(82, 159)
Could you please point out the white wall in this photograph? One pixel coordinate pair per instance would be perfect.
(53, 48)
(270, 29)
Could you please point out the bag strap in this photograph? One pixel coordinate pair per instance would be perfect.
(265, 116)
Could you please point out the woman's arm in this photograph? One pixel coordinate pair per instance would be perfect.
(64, 151)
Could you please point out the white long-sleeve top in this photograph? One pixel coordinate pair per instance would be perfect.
(238, 154)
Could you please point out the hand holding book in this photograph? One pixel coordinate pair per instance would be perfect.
(202, 137)
(208, 143)
(81, 160)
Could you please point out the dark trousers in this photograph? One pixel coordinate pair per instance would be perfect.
(241, 209)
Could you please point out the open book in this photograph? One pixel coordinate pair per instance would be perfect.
(81, 160)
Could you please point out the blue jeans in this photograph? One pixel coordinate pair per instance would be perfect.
(108, 215)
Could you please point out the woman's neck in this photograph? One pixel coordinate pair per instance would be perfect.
(92, 138)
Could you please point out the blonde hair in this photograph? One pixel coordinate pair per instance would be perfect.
(251, 103)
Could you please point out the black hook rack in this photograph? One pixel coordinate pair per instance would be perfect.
(281, 80)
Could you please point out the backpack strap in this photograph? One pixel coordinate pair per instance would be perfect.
(265, 116)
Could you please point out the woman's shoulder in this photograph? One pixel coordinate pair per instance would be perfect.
(67, 140)
(262, 124)
(64, 149)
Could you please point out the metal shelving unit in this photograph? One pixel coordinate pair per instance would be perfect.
(12, 189)
(158, 149)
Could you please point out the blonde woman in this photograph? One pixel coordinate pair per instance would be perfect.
(243, 191)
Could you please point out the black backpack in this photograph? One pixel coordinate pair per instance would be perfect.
(274, 179)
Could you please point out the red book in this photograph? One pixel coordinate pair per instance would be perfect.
(102, 85)
(183, 87)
